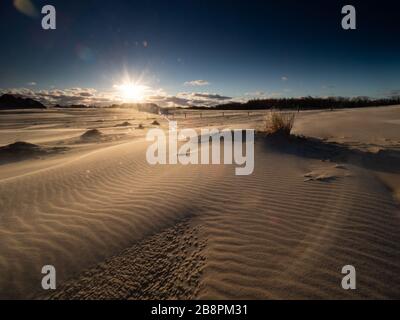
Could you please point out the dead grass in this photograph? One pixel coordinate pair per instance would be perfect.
(280, 123)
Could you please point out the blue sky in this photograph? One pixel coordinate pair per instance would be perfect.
(238, 49)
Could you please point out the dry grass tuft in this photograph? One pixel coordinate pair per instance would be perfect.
(280, 123)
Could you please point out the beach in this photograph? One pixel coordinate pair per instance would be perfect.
(116, 227)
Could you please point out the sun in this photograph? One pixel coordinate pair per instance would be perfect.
(131, 92)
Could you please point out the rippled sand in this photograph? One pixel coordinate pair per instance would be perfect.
(117, 228)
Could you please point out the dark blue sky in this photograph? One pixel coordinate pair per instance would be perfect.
(241, 48)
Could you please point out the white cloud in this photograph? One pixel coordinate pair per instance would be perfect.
(32, 84)
(203, 96)
(256, 94)
(194, 83)
(328, 87)
(188, 99)
(260, 95)
(87, 96)
(90, 96)
(393, 93)
(284, 78)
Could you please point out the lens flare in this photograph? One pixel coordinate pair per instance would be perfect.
(26, 7)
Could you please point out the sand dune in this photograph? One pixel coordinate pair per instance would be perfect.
(116, 227)
(79, 213)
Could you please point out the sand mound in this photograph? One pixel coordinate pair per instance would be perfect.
(124, 124)
(97, 136)
(92, 135)
(328, 174)
(23, 150)
(22, 147)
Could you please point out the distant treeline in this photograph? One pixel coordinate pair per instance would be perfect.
(306, 103)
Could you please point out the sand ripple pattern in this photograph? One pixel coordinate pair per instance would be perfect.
(278, 237)
(76, 215)
(269, 235)
(167, 265)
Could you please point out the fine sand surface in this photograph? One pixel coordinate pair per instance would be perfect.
(115, 227)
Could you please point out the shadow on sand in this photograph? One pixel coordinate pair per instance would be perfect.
(313, 148)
